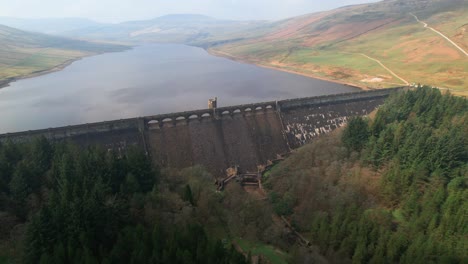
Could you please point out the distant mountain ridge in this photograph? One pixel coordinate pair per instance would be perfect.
(48, 25)
(181, 18)
(179, 28)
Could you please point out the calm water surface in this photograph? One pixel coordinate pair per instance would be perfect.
(146, 80)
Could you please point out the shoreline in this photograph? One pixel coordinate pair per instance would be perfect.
(309, 75)
(230, 57)
(6, 82)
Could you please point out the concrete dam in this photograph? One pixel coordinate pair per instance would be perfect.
(244, 135)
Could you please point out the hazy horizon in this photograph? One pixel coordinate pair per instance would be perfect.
(109, 11)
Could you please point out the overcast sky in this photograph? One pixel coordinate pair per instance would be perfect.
(122, 10)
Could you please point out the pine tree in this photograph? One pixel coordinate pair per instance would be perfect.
(188, 195)
(355, 134)
(20, 190)
(140, 166)
(360, 253)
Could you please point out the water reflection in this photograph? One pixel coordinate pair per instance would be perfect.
(146, 80)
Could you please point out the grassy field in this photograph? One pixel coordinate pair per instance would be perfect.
(273, 255)
(25, 54)
(26, 62)
(333, 45)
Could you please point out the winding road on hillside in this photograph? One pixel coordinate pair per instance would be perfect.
(438, 32)
(386, 68)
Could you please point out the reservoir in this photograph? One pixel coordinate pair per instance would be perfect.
(146, 80)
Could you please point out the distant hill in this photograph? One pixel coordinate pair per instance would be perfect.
(179, 28)
(25, 53)
(49, 25)
(378, 45)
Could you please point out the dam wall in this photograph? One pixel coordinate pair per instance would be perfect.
(306, 118)
(245, 139)
(117, 134)
(245, 135)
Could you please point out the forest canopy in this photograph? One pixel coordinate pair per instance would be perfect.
(85, 206)
(390, 189)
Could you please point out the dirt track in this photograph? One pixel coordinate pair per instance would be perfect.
(438, 32)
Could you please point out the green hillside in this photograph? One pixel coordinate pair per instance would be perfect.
(25, 53)
(347, 44)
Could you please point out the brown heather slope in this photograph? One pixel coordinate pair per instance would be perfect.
(371, 45)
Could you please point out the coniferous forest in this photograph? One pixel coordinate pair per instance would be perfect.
(389, 188)
(83, 206)
(392, 190)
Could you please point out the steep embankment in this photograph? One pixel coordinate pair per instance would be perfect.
(372, 45)
(25, 54)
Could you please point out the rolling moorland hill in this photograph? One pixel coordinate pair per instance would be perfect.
(375, 45)
(25, 53)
